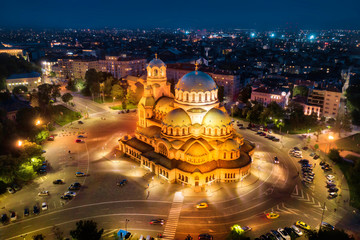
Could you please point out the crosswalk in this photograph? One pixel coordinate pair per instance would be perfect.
(300, 195)
(282, 208)
(173, 219)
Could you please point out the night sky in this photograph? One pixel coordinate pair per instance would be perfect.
(256, 14)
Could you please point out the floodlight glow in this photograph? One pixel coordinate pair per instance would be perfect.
(272, 35)
(252, 34)
(312, 37)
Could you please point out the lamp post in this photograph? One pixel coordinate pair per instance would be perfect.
(322, 216)
(19, 143)
(330, 139)
(126, 222)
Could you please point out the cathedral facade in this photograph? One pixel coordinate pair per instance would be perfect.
(187, 138)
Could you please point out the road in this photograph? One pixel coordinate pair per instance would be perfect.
(270, 187)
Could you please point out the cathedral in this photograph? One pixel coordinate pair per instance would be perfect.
(187, 138)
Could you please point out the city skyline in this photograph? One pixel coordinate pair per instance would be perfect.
(260, 15)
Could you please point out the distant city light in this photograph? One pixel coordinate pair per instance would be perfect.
(252, 34)
(272, 35)
(312, 37)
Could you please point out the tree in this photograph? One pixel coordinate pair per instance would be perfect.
(316, 146)
(328, 234)
(253, 115)
(108, 85)
(131, 97)
(39, 237)
(301, 91)
(8, 167)
(59, 235)
(42, 136)
(26, 172)
(25, 121)
(334, 154)
(117, 92)
(55, 92)
(86, 230)
(245, 94)
(66, 97)
(296, 114)
(19, 89)
(342, 122)
(92, 84)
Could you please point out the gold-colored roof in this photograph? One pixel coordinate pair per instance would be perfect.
(177, 117)
(164, 104)
(147, 101)
(216, 118)
(230, 145)
(196, 150)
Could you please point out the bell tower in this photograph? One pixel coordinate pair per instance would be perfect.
(156, 78)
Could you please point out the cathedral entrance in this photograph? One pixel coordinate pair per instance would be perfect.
(196, 181)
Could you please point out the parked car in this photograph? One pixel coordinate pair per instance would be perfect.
(10, 190)
(74, 186)
(332, 195)
(73, 194)
(205, 236)
(80, 122)
(66, 197)
(276, 234)
(333, 189)
(284, 234)
(276, 140)
(272, 215)
(122, 182)
(36, 210)
(316, 157)
(80, 174)
(302, 225)
(202, 205)
(79, 141)
(58, 181)
(44, 193)
(4, 218)
(297, 230)
(327, 226)
(81, 136)
(26, 212)
(13, 216)
(44, 206)
(51, 138)
(330, 177)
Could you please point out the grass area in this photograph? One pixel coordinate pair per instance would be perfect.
(350, 143)
(119, 107)
(347, 169)
(63, 115)
(301, 130)
(107, 99)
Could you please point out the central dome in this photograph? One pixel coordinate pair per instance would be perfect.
(156, 63)
(196, 81)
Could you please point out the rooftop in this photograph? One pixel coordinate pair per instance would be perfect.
(24, 75)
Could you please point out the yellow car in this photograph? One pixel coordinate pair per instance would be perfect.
(202, 205)
(302, 225)
(272, 215)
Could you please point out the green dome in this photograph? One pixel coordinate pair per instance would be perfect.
(177, 117)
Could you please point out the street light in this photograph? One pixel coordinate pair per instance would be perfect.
(330, 139)
(126, 222)
(37, 122)
(19, 143)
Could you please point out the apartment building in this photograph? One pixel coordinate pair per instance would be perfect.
(266, 95)
(327, 99)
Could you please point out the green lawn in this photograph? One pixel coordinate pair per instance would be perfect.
(63, 115)
(119, 107)
(346, 169)
(349, 143)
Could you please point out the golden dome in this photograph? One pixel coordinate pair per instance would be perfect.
(230, 145)
(177, 117)
(216, 118)
(147, 101)
(196, 81)
(196, 150)
(164, 104)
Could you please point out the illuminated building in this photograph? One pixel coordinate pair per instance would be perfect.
(265, 96)
(13, 52)
(29, 80)
(187, 138)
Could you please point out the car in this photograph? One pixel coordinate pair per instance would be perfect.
(246, 228)
(122, 182)
(297, 230)
(322, 163)
(242, 127)
(298, 155)
(263, 134)
(316, 157)
(80, 122)
(13, 216)
(271, 137)
(66, 197)
(327, 226)
(332, 195)
(16, 187)
(312, 154)
(26, 212)
(276, 140)
(10, 190)
(70, 193)
(4, 218)
(158, 221)
(289, 230)
(304, 161)
(44, 193)
(276, 160)
(272, 215)
(305, 148)
(333, 189)
(58, 181)
(79, 141)
(74, 186)
(276, 234)
(302, 225)
(80, 174)
(81, 136)
(202, 205)
(310, 174)
(296, 148)
(330, 177)
(205, 236)
(307, 180)
(284, 234)
(259, 132)
(36, 210)
(327, 169)
(263, 237)
(51, 138)
(44, 206)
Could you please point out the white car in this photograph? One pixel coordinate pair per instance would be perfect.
(44, 206)
(298, 155)
(297, 230)
(43, 193)
(284, 234)
(70, 193)
(330, 177)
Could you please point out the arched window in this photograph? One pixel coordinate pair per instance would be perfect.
(182, 178)
(216, 132)
(206, 97)
(231, 155)
(177, 132)
(179, 176)
(155, 72)
(207, 179)
(209, 131)
(193, 97)
(162, 149)
(186, 179)
(183, 131)
(187, 96)
(224, 155)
